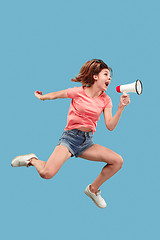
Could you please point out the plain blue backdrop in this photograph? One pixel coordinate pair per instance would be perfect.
(43, 45)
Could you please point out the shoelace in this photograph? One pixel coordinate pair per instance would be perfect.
(98, 193)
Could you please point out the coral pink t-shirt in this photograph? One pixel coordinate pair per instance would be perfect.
(84, 111)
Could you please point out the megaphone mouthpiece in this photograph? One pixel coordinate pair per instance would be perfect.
(118, 89)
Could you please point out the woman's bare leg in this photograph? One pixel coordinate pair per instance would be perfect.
(102, 154)
(38, 164)
(48, 169)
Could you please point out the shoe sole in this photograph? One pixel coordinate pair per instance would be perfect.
(87, 193)
(31, 154)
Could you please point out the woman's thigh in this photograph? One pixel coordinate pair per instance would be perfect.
(101, 154)
(59, 156)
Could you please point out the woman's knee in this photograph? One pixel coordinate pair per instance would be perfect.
(119, 162)
(47, 173)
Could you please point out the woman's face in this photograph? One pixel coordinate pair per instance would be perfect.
(103, 79)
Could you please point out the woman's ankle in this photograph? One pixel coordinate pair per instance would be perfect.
(32, 160)
(93, 189)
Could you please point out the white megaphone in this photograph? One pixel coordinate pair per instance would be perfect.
(135, 87)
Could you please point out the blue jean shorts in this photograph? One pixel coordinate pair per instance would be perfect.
(76, 141)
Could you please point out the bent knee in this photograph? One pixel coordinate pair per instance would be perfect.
(118, 162)
(47, 174)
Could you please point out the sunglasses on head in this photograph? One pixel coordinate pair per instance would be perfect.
(98, 60)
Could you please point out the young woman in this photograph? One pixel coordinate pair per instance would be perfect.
(88, 102)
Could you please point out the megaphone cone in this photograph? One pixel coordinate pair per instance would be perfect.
(132, 87)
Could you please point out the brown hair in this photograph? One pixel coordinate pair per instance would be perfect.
(90, 68)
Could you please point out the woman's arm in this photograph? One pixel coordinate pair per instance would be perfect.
(111, 122)
(50, 96)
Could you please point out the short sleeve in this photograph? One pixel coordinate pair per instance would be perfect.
(108, 102)
(72, 92)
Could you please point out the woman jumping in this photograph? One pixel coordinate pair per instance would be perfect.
(88, 102)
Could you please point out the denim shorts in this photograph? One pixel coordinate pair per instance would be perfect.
(76, 141)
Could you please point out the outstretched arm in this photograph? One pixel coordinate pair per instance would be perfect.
(50, 96)
(111, 122)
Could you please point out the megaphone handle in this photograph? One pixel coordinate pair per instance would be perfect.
(124, 93)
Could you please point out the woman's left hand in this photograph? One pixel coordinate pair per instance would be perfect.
(124, 100)
(38, 94)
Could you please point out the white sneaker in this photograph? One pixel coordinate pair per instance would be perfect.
(97, 199)
(22, 160)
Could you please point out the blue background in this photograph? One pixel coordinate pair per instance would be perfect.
(43, 45)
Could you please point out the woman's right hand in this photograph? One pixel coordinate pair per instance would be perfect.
(38, 94)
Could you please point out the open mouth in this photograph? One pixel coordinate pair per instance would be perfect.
(106, 84)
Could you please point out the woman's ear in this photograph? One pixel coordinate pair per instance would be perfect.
(95, 77)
